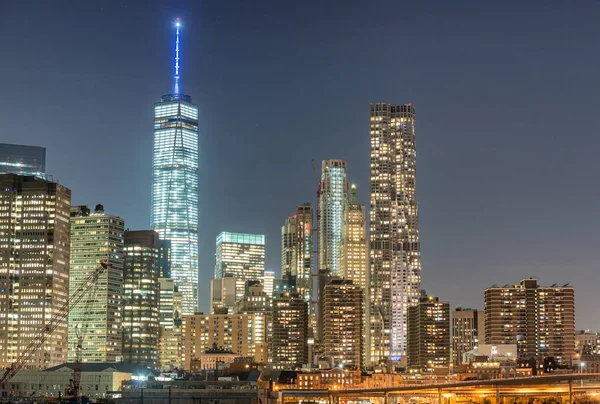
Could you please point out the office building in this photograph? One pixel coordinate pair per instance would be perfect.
(395, 254)
(289, 347)
(224, 293)
(539, 320)
(141, 297)
(242, 334)
(170, 338)
(254, 301)
(468, 327)
(428, 340)
(241, 256)
(343, 332)
(269, 282)
(297, 249)
(97, 319)
(287, 283)
(34, 267)
(22, 160)
(174, 213)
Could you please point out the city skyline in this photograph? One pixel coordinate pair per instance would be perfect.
(448, 188)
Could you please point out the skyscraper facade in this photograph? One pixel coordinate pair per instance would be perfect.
(175, 185)
(97, 318)
(540, 320)
(269, 283)
(22, 160)
(34, 267)
(334, 194)
(428, 339)
(395, 254)
(241, 256)
(297, 248)
(289, 346)
(343, 332)
(467, 332)
(141, 297)
(170, 339)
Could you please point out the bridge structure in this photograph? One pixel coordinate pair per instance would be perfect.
(562, 387)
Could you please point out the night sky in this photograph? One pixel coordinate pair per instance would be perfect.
(506, 96)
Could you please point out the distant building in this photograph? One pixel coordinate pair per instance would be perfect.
(297, 249)
(355, 256)
(395, 252)
(428, 340)
(254, 301)
(343, 335)
(289, 347)
(468, 328)
(34, 267)
(287, 283)
(141, 297)
(22, 160)
(241, 256)
(540, 320)
(97, 318)
(587, 342)
(170, 340)
(164, 258)
(243, 334)
(224, 293)
(268, 282)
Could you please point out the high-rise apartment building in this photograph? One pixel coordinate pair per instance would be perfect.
(241, 256)
(355, 248)
(343, 333)
(297, 248)
(334, 194)
(243, 334)
(395, 254)
(175, 185)
(34, 267)
(428, 339)
(539, 320)
(289, 346)
(97, 318)
(170, 338)
(141, 297)
(355, 255)
(22, 160)
(468, 327)
(254, 301)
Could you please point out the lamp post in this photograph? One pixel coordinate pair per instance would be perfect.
(581, 365)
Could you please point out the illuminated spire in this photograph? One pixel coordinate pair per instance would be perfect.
(176, 89)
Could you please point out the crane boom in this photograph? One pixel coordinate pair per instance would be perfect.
(56, 320)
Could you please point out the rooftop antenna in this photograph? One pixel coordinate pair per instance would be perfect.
(176, 77)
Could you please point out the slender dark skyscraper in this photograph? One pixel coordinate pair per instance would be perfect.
(175, 184)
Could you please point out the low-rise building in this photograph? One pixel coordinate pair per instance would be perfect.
(97, 379)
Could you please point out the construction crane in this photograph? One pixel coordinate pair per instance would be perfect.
(57, 320)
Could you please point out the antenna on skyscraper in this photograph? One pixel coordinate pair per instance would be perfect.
(176, 77)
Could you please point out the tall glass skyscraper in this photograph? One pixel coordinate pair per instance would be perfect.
(175, 184)
(395, 256)
(22, 160)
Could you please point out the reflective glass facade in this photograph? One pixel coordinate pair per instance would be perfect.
(241, 256)
(22, 160)
(175, 190)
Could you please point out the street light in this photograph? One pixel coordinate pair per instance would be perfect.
(581, 365)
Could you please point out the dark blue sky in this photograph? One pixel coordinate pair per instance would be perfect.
(506, 95)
